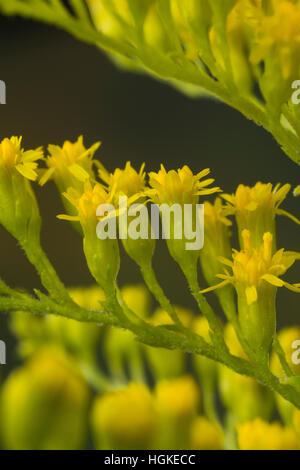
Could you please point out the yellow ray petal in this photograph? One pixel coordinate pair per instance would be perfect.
(274, 280)
(217, 286)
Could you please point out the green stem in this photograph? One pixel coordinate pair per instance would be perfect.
(155, 336)
(281, 356)
(47, 273)
(208, 388)
(191, 275)
(154, 287)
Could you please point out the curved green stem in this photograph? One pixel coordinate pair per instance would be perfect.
(154, 336)
(154, 287)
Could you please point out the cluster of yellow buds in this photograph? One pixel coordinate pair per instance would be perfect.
(256, 268)
(254, 271)
(136, 417)
(175, 414)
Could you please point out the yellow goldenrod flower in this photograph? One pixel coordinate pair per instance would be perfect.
(70, 163)
(127, 182)
(51, 391)
(177, 401)
(124, 419)
(178, 398)
(102, 255)
(206, 435)
(255, 209)
(217, 243)
(19, 212)
(255, 276)
(179, 187)
(252, 268)
(13, 157)
(130, 183)
(87, 203)
(259, 435)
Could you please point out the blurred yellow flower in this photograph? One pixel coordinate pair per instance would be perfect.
(259, 435)
(124, 419)
(178, 398)
(206, 435)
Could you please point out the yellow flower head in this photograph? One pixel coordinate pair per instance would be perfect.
(125, 417)
(178, 398)
(179, 187)
(215, 215)
(13, 157)
(87, 202)
(260, 198)
(278, 33)
(255, 208)
(206, 435)
(217, 243)
(127, 182)
(259, 435)
(252, 267)
(102, 255)
(51, 387)
(70, 162)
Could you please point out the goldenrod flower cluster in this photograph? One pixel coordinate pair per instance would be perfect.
(145, 399)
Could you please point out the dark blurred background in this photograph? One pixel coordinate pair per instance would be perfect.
(58, 88)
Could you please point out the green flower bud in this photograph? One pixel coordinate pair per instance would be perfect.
(217, 244)
(102, 255)
(19, 212)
